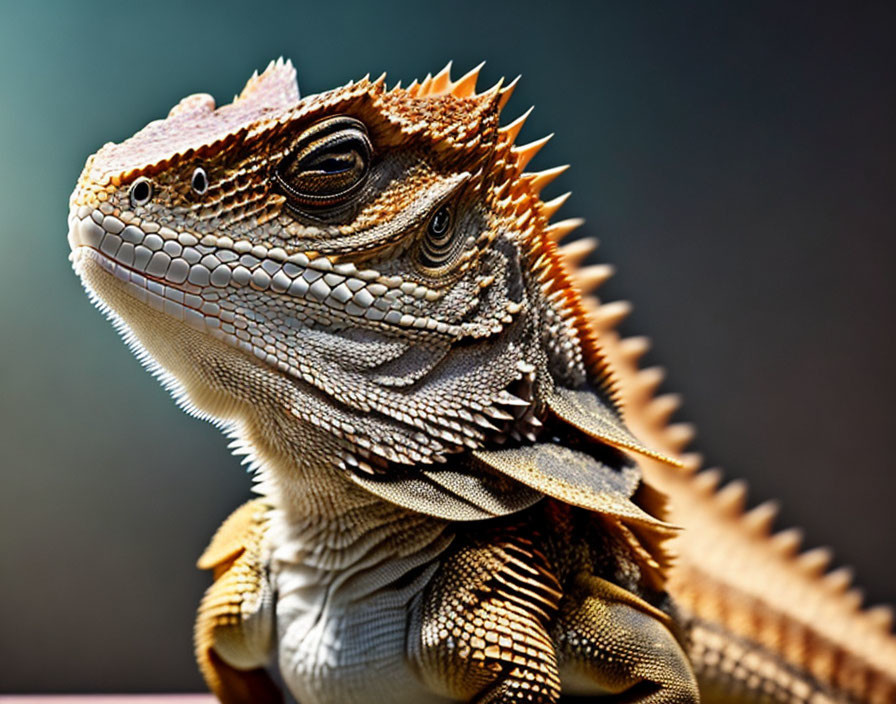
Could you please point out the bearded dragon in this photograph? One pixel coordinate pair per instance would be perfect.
(468, 488)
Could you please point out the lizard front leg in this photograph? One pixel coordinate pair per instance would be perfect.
(610, 641)
(481, 632)
(234, 633)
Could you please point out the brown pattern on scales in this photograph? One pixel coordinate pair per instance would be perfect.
(485, 389)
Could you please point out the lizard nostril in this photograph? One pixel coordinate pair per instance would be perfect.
(141, 191)
(199, 181)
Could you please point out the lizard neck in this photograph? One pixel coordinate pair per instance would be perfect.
(298, 474)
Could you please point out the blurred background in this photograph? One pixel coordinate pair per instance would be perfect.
(737, 161)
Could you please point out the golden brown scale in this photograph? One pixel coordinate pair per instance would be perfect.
(484, 624)
(521, 602)
(232, 666)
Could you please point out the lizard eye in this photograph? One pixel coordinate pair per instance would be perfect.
(328, 163)
(199, 180)
(437, 245)
(141, 191)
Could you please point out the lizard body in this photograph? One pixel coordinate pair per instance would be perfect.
(364, 288)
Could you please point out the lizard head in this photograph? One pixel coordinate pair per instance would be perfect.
(372, 265)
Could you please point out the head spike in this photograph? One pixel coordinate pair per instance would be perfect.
(275, 87)
(526, 152)
(575, 252)
(492, 92)
(550, 208)
(511, 130)
(425, 86)
(441, 82)
(465, 86)
(506, 93)
(539, 179)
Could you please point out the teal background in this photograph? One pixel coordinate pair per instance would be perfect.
(736, 160)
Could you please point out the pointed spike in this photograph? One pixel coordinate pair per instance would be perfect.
(732, 497)
(442, 80)
(706, 481)
(538, 180)
(397, 86)
(589, 278)
(608, 316)
(413, 88)
(647, 379)
(551, 207)
(787, 542)
(511, 130)
(760, 519)
(680, 435)
(661, 408)
(632, 348)
(490, 94)
(498, 414)
(558, 230)
(575, 252)
(853, 598)
(381, 80)
(881, 616)
(465, 86)
(483, 422)
(814, 561)
(525, 152)
(691, 462)
(506, 92)
(839, 580)
(508, 399)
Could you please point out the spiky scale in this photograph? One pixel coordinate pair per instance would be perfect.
(760, 519)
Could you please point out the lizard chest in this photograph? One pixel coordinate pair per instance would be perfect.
(342, 612)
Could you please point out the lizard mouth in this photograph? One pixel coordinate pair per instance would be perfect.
(205, 281)
(184, 264)
(175, 296)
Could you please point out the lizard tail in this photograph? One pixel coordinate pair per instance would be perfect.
(766, 619)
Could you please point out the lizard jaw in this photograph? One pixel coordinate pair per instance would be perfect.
(192, 280)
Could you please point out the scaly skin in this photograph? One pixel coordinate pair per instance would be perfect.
(364, 289)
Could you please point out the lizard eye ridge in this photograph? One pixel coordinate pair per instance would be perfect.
(327, 163)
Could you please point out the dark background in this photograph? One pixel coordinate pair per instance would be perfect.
(736, 160)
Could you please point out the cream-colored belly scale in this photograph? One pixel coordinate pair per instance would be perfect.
(344, 595)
